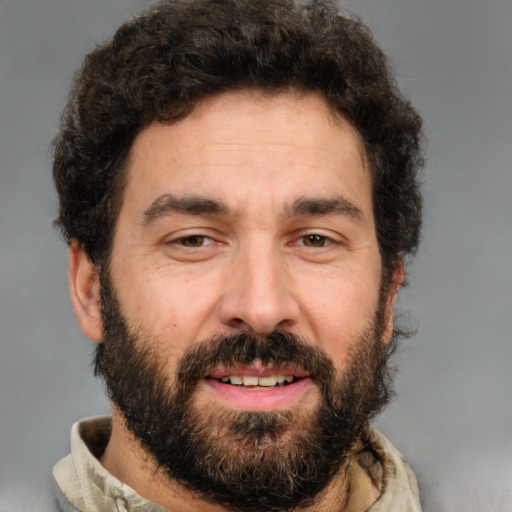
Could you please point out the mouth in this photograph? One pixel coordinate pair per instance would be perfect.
(251, 381)
(258, 388)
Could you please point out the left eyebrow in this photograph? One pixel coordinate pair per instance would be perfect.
(189, 205)
(325, 206)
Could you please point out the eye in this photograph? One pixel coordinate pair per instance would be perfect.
(193, 241)
(315, 240)
(194, 245)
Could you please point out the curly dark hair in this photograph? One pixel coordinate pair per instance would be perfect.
(159, 65)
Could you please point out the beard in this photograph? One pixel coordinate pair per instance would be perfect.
(243, 460)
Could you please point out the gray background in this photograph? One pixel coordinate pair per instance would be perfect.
(453, 415)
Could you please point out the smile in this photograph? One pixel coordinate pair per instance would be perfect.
(258, 389)
(254, 382)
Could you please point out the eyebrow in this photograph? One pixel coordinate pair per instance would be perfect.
(191, 205)
(325, 206)
(197, 205)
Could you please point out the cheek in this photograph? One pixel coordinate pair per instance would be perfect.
(173, 308)
(338, 312)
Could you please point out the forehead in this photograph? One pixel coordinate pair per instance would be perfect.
(240, 142)
(252, 117)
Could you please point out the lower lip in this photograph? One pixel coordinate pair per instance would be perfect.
(275, 398)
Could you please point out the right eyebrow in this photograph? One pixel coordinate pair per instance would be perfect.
(325, 206)
(191, 205)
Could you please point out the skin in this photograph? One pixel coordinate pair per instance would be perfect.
(254, 266)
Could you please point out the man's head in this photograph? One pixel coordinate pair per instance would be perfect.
(238, 184)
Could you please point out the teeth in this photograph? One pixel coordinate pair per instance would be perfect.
(251, 380)
(271, 380)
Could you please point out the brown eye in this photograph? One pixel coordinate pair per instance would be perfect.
(193, 240)
(315, 240)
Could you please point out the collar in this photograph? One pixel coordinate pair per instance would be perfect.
(85, 483)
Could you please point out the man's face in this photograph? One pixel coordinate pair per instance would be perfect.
(251, 216)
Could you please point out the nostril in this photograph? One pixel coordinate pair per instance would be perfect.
(239, 324)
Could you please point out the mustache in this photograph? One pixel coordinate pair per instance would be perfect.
(278, 348)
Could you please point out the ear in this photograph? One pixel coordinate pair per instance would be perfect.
(84, 287)
(397, 280)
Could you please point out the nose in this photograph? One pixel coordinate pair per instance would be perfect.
(258, 294)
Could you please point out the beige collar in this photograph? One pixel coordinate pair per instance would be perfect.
(87, 485)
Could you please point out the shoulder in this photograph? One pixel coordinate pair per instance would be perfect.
(61, 503)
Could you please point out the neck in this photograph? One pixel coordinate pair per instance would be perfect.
(130, 463)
